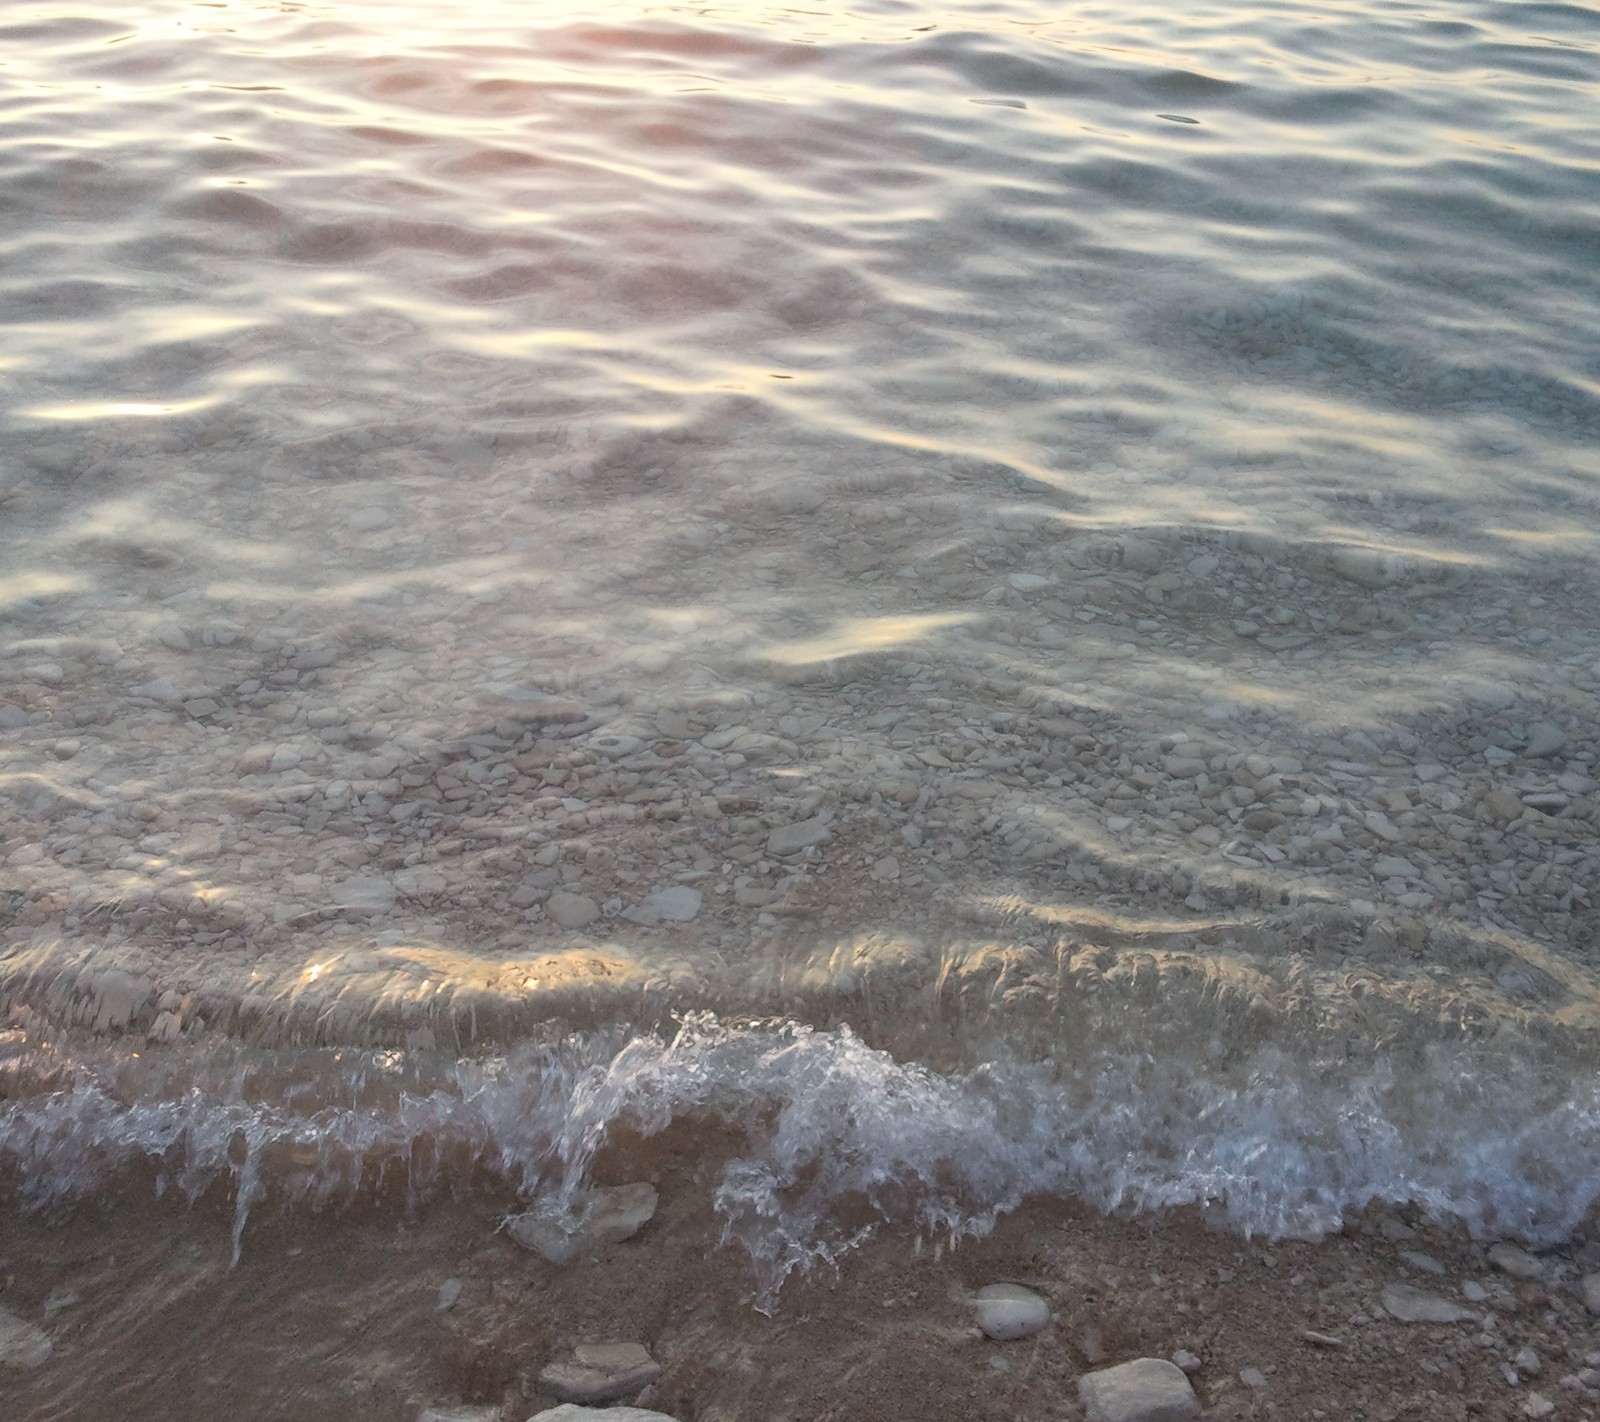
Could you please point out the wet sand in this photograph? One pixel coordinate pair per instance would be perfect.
(336, 1316)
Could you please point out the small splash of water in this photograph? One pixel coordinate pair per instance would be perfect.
(835, 1138)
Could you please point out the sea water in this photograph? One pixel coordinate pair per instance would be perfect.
(998, 597)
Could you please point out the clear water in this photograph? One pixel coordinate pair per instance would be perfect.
(453, 459)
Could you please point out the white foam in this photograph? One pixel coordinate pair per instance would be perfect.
(840, 1138)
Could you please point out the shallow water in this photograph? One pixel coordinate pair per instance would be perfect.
(1123, 482)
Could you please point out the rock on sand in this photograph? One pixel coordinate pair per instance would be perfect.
(1145, 1390)
(1009, 1311)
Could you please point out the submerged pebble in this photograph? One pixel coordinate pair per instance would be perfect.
(1008, 1311)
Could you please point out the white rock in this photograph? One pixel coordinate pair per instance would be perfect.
(1146, 1390)
(22, 1345)
(1591, 1292)
(1391, 866)
(569, 910)
(460, 1414)
(449, 1293)
(600, 1372)
(283, 758)
(1028, 582)
(1186, 1361)
(1411, 1305)
(615, 747)
(791, 839)
(606, 1215)
(677, 904)
(1513, 1260)
(1545, 738)
(1009, 1311)
(1537, 1405)
(365, 895)
(1253, 1378)
(571, 1412)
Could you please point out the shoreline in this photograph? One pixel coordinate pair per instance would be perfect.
(337, 1315)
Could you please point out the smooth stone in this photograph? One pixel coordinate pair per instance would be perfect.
(678, 904)
(1028, 582)
(1425, 1262)
(572, 1412)
(569, 910)
(1186, 1361)
(1366, 567)
(449, 1292)
(365, 895)
(1511, 1259)
(460, 1414)
(1591, 1292)
(1007, 1312)
(610, 1214)
(601, 1372)
(791, 839)
(615, 747)
(22, 1344)
(1391, 866)
(1412, 1305)
(1145, 1390)
(1545, 738)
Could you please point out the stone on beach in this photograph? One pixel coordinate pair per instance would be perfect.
(22, 1344)
(1145, 1390)
(607, 1215)
(677, 904)
(1514, 1260)
(791, 839)
(569, 910)
(1008, 1311)
(1591, 1292)
(365, 895)
(600, 1372)
(461, 1414)
(1412, 1305)
(572, 1412)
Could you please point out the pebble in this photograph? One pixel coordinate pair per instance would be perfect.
(573, 1412)
(1591, 1292)
(1512, 1259)
(1189, 1363)
(609, 1214)
(600, 1372)
(677, 904)
(1545, 738)
(1411, 1305)
(1145, 1390)
(1007, 1312)
(364, 895)
(22, 1344)
(460, 1414)
(1537, 1405)
(569, 910)
(791, 839)
(449, 1293)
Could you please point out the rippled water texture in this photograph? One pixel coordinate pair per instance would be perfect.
(1061, 537)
